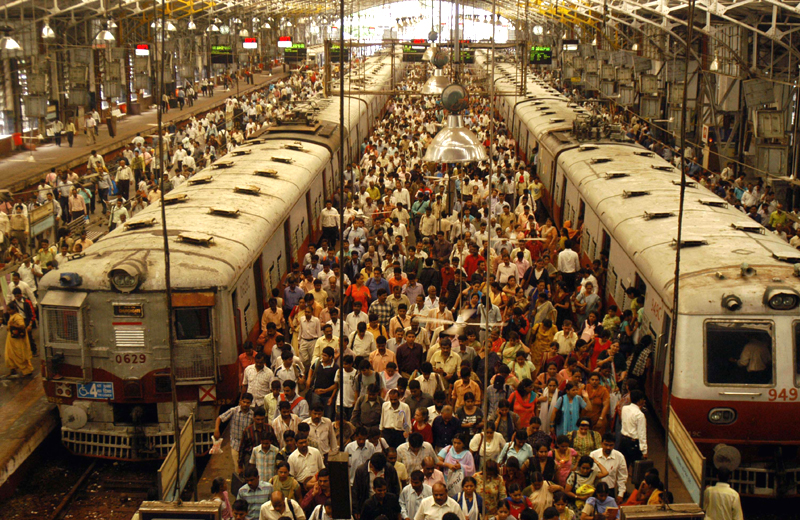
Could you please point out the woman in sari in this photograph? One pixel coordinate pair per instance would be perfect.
(457, 462)
(18, 348)
(547, 402)
(470, 502)
(542, 493)
(490, 486)
(524, 402)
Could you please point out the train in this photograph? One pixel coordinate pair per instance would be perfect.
(234, 228)
(739, 286)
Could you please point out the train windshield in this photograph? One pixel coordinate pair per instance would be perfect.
(192, 323)
(739, 353)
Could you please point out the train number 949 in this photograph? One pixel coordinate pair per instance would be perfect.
(783, 395)
(133, 359)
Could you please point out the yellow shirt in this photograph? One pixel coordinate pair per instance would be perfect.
(449, 365)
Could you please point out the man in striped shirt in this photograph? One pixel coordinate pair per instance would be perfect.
(240, 416)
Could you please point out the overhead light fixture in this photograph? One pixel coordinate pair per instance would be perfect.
(538, 30)
(244, 33)
(289, 23)
(635, 47)
(428, 54)
(455, 143)
(7, 43)
(112, 24)
(192, 26)
(212, 28)
(236, 20)
(436, 83)
(224, 29)
(47, 32)
(594, 42)
(267, 25)
(714, 67)
(104, 36)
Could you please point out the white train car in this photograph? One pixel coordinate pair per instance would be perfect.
(234, 230)
(740, 288)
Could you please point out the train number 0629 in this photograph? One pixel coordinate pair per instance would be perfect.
(783, 395)
(131, 359)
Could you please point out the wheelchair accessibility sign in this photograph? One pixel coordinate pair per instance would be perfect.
(96, 390)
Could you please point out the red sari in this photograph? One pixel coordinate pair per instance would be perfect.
(525, 409)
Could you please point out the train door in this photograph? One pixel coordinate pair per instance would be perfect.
(660, 370)
(559, 197)
(258, 276)
(193, 317)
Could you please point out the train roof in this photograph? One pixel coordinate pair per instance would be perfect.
(235, 239)
(639, 203)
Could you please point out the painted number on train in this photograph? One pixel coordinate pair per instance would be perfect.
(131, 359)
(783, 395)
(96, 390)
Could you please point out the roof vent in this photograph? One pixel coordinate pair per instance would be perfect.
(222, 164)
(600, 160)
(285, 160)
(749, 227)
(239, 151)
(690, 242)
(266, 172)
(616, 175)
(248, 189)
(174, 198)
(140, 224)
(296, 145)
(644, 154)
(662, 167)
(716, 203)
(200, 239)
(200, 179)
(658, 214)
(557, 119)
(689, 184)
(225, 211)
(790, 257)
(587, 147)
(548, 113)
(634, 193)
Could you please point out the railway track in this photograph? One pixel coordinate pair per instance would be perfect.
(107, 491)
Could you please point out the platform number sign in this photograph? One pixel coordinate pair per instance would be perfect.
(96, 390)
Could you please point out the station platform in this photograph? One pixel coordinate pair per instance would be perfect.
(222, 466)
(18, 171)
(26, 418)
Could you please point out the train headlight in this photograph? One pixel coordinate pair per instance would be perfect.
(124, 282)
(128, 275)
(781, 299)
(722, 416)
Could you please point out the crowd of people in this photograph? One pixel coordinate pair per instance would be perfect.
(435, 259)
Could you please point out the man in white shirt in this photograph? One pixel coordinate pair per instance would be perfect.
(279, 506)
(359, 450)
(566, 339)
(257, 379)
(614, 462)
(310, 331)
(568, 264)
(329, 219)
(505, 269)
(28, 271)
(435, 507)
(721, 501)
(321, 431)
(413, 495)
(634, 429)
(395, 420)
(305, 461)
(26, 289)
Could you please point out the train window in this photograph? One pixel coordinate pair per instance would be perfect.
(739, 353)
(192, 323)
